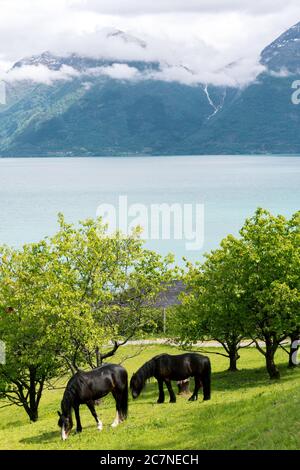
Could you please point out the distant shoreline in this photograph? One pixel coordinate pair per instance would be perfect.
(69, 157)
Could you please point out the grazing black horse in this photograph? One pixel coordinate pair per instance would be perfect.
(166, 368)
(86, 387)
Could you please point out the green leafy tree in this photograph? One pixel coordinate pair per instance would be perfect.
(294, 228)
(249, 288)
(271, 280)
(72, 300)
(113, 278)
(213, 308)
(26, 322)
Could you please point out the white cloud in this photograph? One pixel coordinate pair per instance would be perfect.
(39, 74)
(282, 73)
(194, 40)
(137, 7)
(87, 85)
(42, 74)
(116, 71)
(235, 76)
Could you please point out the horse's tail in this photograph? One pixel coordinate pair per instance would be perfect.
(206, 379)
(123, 404)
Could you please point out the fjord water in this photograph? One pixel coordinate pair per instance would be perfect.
(34, 190)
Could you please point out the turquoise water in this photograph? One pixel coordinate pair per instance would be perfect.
(33, 191)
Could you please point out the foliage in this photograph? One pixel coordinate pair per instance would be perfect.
(271, 279)
(249, 287)
(112, 280)
(27, 322)
(214, 305)
(72, 299)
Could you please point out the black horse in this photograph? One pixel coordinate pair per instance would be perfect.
(86, 387)
(166, 368)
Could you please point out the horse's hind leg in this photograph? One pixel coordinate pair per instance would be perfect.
(194, 397)
(118, 419)
(91, 407)
(171, 391)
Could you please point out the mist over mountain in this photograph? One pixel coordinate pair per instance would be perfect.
(85, 105)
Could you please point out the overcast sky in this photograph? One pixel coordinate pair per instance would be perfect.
(203, 35)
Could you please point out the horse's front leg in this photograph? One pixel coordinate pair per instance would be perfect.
(91, 407)
(171, 391)
(194, 397)
(161, 396)
(77, 416)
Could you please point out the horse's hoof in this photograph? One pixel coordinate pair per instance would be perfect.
(192, 398)
(100, 427)
(160, 401)
(78, 431)
(172, 401)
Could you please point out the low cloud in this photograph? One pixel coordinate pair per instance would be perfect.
(192, 63)
(43, 75)
(237, 75)
(39, 74)
(282, 73)
(195, 41)
(115, 71)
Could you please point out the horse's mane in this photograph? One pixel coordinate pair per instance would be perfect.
(70, 392)
(146, 371)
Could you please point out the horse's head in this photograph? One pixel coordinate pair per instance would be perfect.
(66, 424)
(136, 385)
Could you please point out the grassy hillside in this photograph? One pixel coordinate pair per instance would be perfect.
(247, 411)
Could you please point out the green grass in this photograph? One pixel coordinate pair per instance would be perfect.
(247, 411)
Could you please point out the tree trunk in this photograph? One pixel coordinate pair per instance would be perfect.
(35, 392)
(295, 336)
(232, 363)
(233, 356)
(98, 357)
(270, 362)
(33, 414)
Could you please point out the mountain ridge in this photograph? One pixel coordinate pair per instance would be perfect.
(95, 114)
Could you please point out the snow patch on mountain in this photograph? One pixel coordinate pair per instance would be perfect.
(284, 52)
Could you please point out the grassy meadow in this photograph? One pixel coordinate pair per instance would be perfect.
(247, 411)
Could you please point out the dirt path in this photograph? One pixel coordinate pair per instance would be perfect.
(200, 344)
